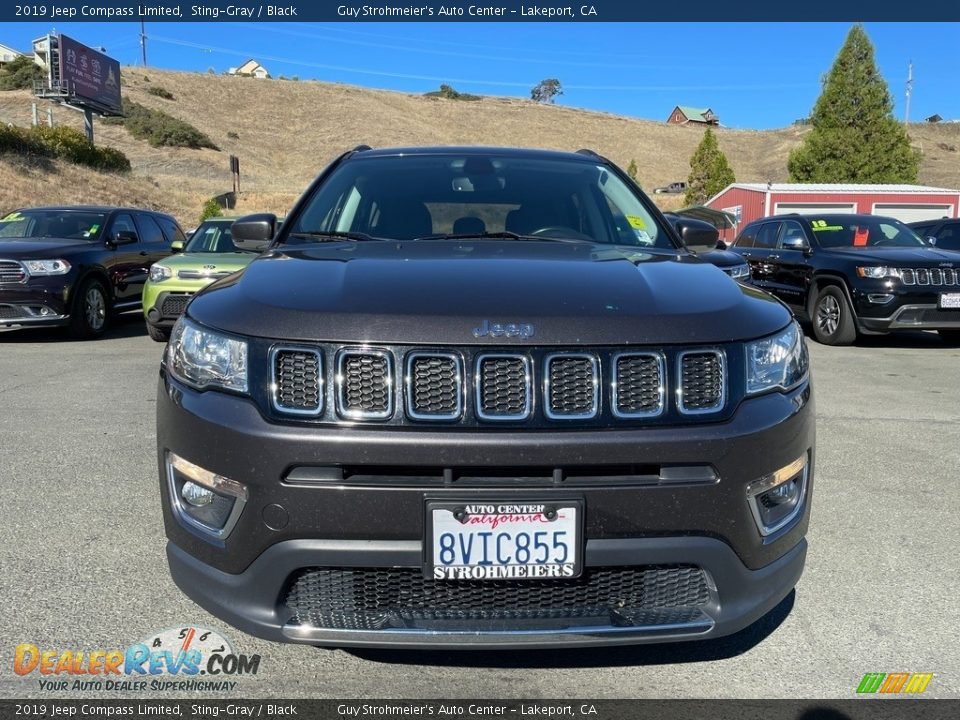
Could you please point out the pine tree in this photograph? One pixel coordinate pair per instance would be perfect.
(855, 137)
(709, 171)
(633, 171)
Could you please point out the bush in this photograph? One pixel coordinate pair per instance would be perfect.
(64, 143)
(448, 93)
(160, 92)
(160, 129)
(211, 209)
(20, 74)
(232, 135)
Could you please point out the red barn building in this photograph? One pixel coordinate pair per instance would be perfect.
(750, 201)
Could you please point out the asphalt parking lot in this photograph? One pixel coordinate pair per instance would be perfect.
(83, 564)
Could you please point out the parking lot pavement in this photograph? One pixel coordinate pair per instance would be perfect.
(83, 565)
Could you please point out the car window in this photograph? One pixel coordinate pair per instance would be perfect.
(861, 232)
(69, 224)
(747, 238)
(412, 196)
(211, 237)
(171, 230)
(948, 237)
(767, 235)
(150, 232)
(791, 231)
(122, 222)
(923, 229)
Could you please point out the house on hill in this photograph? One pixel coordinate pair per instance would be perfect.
(8, 55)
(251, 68)
(684, 114)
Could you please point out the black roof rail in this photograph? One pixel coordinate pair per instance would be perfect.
(361, 148)
(591, 153)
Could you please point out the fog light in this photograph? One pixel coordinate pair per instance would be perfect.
(204, 500)
(776, 499)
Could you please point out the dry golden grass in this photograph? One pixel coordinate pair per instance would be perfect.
(287, 131)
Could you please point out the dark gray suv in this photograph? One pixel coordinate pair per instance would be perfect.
(482, 397)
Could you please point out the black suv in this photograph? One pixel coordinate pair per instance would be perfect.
(943, 233)
(851, 274)
(481, 397)
(75, 265)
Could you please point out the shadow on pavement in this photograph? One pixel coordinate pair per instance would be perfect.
(624, 656)
(127, 325)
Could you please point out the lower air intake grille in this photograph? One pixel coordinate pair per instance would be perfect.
(365, 384)
(377, 598)
(701, 381)
(298, 381)
(174, 305)
(503, 389)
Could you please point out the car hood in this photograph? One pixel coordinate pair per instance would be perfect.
(439, 292)
(920, 256)
(721, 258)
(41, 247)
(220, 262)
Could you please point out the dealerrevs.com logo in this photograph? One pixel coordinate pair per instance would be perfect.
(181, 659)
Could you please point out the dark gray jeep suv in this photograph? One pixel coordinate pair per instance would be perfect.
(480, 397)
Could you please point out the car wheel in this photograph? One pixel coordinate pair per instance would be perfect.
(91, 310)
(833, 322)
(157, 333)
(950, 337)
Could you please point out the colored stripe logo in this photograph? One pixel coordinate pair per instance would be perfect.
(894, 683)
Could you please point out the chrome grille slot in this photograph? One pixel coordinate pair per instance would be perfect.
(638, 385)
(12, 272)
(571, 386)
(936, 276)
(949, 277)
(908, 276)
(297, 381)
(503, 387)
(364, 384)
(923, 276)
(434, 386)
(701, 381)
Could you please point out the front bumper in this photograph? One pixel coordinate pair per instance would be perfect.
(287, 526)
(882, 307)
(40, 301)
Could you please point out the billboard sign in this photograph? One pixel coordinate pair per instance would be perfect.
(89, 76)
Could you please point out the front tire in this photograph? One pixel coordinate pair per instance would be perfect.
(833, 321)
(91, 310)
(157, 333)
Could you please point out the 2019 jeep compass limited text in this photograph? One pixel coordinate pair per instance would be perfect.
(477, 397)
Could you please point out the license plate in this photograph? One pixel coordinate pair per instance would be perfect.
(950, 301)
(503, 541)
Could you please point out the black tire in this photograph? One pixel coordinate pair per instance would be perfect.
(950, 336)
(157, 333)
(91, 310)
(832, 317)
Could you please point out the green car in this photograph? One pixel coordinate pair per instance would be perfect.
(208, 255)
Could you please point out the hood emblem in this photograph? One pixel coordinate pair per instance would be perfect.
(946, 265)
(510, 330)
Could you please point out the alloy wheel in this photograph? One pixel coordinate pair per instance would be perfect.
(828, 315)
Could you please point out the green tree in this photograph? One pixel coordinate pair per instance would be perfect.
(20, 74)
(855, 137)
(210, 210)
(709, 171)
(546, 91)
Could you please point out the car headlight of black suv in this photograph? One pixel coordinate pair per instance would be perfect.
(203, 358)
(779, 361)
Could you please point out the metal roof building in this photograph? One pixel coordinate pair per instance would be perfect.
(750, 201)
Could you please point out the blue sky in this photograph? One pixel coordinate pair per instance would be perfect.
(753, 75)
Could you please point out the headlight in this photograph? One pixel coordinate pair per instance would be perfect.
(878, 272)
(738, 271)
(159, 273)
(203, 358)
(778, 361)
(47, 267)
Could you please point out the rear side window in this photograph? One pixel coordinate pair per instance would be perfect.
(948, 238)
(747, 238)
(924, 229)
(767, 235)
(149, 230)
(171, 230)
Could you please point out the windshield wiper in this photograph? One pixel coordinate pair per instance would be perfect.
(333, 235)
(503, 235)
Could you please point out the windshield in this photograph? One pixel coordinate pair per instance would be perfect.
(416, 196)
(212, 237)
(864, 232)
(67, 224)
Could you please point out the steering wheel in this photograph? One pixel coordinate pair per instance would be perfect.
(560, 231)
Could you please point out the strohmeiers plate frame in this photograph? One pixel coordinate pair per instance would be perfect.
(579, 545)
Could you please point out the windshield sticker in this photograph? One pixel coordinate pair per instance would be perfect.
(643, 237)
(92, 231)
(860, 237)
(636, 222)
(822, 225)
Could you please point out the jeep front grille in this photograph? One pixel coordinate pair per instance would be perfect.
(11, 272)
(471, 386)
(929, 276)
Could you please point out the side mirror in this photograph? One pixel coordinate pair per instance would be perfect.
(176, 246)
(124, 237)
(795, 243)
(932, 240)
(722, 245)
(697, 234)
(254, 232)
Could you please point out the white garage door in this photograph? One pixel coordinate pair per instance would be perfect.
(810, 207)
(913, 213)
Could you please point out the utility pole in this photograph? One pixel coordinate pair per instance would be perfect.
(143, 42)
(906, 112)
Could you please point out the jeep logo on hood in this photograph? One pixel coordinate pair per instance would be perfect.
(510, 330)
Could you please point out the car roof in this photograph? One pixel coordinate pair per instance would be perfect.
(478, 150)
(829, 217)
(92, 208)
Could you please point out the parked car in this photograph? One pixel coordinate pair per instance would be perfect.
(943, 233)
(671, 189)
(76, 265)
(854, 274)
(209, 255)
(703, 239)
(482, 397)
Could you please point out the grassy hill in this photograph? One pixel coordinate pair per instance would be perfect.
(284, 132)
